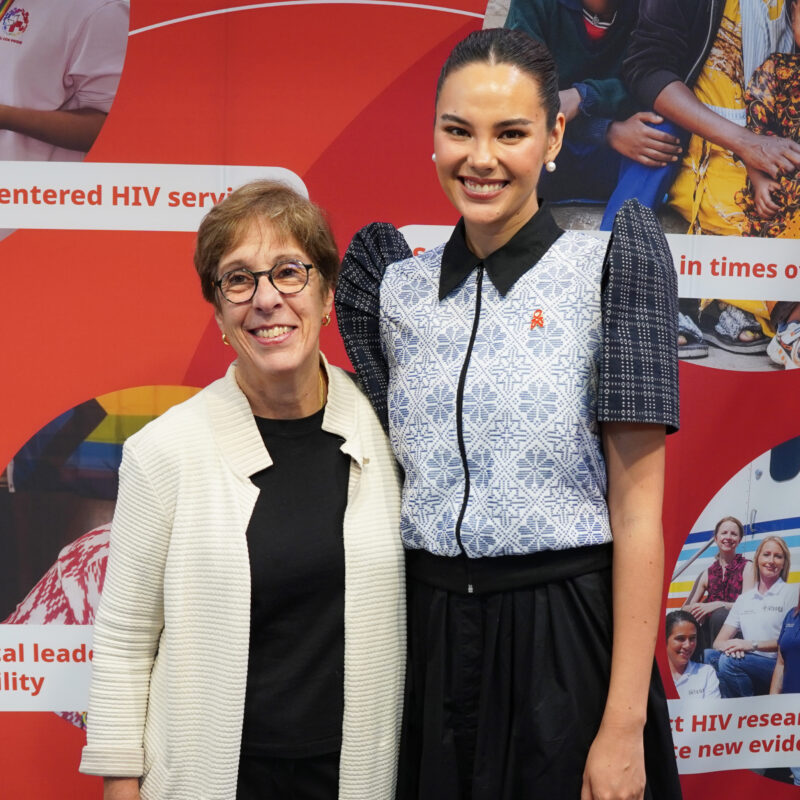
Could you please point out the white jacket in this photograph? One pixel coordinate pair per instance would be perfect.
(171, 634)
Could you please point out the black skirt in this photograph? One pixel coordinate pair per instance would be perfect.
(506, 689)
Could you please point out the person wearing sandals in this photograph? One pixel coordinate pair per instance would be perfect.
(526, 376)
(250, 638)
(718, 586)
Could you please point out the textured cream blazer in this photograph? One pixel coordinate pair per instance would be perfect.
(171, 634)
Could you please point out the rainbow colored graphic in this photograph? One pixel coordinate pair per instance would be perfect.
(81, 449)
(4, 6)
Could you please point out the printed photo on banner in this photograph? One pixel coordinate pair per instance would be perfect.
(57, 498)
(692, 107)
(733, 629)
(61, 68)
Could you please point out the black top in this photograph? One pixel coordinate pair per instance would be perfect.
(295, 680)
(505, 265)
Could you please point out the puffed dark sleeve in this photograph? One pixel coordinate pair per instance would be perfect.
(357, 300)
(639, 364)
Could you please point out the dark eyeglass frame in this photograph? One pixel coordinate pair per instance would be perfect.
(257, 275)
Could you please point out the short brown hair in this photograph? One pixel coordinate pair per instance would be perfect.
(292, 216)
(734, 521)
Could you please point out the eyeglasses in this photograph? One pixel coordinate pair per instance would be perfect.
(239, 285)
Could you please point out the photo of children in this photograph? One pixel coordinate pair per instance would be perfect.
(61, 67)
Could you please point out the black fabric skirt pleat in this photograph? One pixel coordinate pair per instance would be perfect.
(506, 691)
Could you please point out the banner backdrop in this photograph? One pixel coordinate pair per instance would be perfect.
(104, 328)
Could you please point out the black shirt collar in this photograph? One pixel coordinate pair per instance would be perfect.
(506, 264)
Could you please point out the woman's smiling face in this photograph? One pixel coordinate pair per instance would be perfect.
(770, 561)
(491, 140)
(727, 536)
(681, 644)
(275, 336)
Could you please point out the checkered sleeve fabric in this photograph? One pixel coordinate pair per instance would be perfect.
(373, 248)
(639, 363)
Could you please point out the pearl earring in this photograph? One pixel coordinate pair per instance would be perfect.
(433, 158)
(550, 166)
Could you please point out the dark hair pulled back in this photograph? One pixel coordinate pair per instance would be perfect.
(675, 618)
(504, 46)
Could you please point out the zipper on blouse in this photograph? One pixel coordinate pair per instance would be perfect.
(462, 379)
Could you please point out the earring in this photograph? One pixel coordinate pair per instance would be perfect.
(326, 320)
(550, 166)
(433, 158)
(225, 340)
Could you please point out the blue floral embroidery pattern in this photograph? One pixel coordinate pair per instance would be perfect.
(536, 471)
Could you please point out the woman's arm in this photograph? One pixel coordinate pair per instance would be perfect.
(748, 579)
(776, 685)
(121, 789)
(698, 590)
(358, 302)
(635, 461)
(726, 634)
(698, 608)
(772, 155)
(732, 645)
(73, 130)
(128, 625)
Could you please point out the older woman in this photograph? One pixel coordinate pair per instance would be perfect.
(250, 637)
(748, 641)
(526, 376)
(720, 583)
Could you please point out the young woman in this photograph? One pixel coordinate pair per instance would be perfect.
(748, 640)
(692, 680)
(719, 585)
(527, 406)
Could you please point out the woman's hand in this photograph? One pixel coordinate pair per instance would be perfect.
(736, 648)
(570, 103)
(763, 186)
(615, 765)
(121, 789)
(637, 139)
(702, 610)
(771, 155)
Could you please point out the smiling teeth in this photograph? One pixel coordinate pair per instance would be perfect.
(272, 333)
(482, 187)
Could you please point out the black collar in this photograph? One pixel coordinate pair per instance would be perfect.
(506, 264)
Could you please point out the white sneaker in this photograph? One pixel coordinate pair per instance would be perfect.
(784, 348)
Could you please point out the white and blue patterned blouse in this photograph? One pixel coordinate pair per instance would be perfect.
(498, 371)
